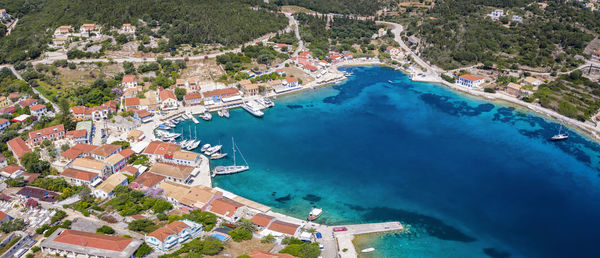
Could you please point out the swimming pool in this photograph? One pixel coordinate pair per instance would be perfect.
(220, 237)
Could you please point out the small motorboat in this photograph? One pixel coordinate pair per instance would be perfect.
(205, 147)
(207, 116)
(315, 213)
(212, 150)
(367, 250)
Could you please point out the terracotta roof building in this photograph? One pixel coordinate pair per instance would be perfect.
(51, 133)
(262, 220)
(105, 151)
(18, 147)
(228, 209)
(284, 227)
(158, 149)
(80, 177)
(86, 244)
(264, 254)
(12, 171)
(177, 173)
(147, 180)
(78, 151)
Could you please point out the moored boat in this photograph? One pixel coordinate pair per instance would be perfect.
(367, 250)
(227, 170)
(212, 150)
(205, 147)
(314, 214)
(207, 116)
(226, 113)
(252, 108)
(560, 136)
(218, 155)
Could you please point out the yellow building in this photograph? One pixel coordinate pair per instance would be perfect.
(4, 102)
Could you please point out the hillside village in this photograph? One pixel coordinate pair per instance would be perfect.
(111, 179)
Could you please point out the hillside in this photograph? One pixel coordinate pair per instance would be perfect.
(457, 33)
(182, 21)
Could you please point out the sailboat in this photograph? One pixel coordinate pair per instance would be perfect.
(219, 154)
(196, 142)
(226, 170)
(560, 136)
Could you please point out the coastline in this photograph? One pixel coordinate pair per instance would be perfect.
(582, 127)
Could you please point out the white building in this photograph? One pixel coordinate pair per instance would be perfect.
(176, 232)
(470, 81)
(497, 14)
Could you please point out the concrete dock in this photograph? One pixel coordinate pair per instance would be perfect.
(344, 238)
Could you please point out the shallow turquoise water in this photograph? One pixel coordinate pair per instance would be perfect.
(470, 178)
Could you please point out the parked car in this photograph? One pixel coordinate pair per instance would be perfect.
(339, 229)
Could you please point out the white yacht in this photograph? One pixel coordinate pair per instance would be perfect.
(252, 108)
(212, 150)
(226, 170)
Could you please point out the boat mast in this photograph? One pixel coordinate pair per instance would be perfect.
(242, 154)
(233, 148)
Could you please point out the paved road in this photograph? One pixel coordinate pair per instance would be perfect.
(294, 24)
(56, 109)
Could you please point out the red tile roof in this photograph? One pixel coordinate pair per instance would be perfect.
(78, 109)
(126, 153)
(225, 206)
(77, 133)
(148, 179)
(77, 149)
(262, 220)
(11, 169)
(132, 101)
(309, 67)
(283, 227)
(130, 169)
(228, 91)
(93, 240)
(264, 254)
(47, 131)
(37, 107)
(105, 150)
(166, 94)
(79, 174)
(193, 95)
(471, 77)
(291, 79)
(2, 215)
(173, 228)
(161, 148)
(27, 102)
(129, 78)
(18, 146)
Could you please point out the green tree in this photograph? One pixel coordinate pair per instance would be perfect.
(179, 93)
(246, 224)
(143, 250)
(240, 234)
(142, 225)
(12, 225)
(123, 144)
(34, 164)
(161, 206)
(105, 230)
(212, 246)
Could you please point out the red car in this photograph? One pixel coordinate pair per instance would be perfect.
(338, 229)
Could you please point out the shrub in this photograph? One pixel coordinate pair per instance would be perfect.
(240, 234)
(489, 90)
(105, 230)
(143, 250)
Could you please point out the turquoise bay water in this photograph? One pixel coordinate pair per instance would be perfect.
(472, 179)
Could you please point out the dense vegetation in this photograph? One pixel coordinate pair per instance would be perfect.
(361, 7)
(130, 202)
(343, 35)
(458, 33)
(184, 21)
(299, 248)
(571, 95)
(197, 247)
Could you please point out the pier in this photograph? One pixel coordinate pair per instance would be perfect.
(344, 238)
